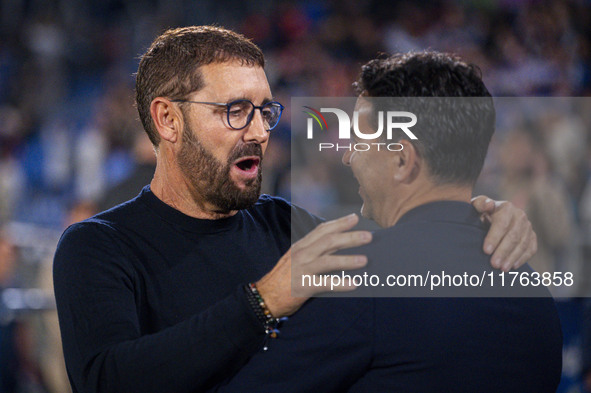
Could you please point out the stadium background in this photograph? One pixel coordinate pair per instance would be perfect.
(71, 144)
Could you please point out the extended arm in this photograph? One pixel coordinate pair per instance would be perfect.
(106, 347)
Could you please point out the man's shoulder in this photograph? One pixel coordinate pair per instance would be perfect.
(299, 219)
(107, 224)
(99, 229)
(432, 229)
(270, 201)
(267, 201)
(120, 213)
(427, 237)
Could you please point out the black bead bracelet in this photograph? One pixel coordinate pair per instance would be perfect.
(261, 310)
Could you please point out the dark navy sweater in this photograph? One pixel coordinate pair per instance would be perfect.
(151, 300)
(416, 344)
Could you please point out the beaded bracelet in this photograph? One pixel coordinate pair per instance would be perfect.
(261, 310)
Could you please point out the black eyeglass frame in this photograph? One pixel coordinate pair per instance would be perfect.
(250, 115)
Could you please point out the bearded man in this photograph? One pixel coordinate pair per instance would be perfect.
(176, 289)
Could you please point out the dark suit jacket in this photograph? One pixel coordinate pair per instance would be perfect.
(394, 344)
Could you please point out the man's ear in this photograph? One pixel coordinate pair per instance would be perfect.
(167, 118)
(407, 164)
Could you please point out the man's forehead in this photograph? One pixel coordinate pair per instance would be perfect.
(235, 79)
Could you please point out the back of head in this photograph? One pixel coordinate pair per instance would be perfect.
(456, 115)
(170, 66)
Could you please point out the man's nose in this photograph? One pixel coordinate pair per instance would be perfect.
(256, 130)
(347, 158)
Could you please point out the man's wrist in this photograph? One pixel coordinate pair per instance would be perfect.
(262, 312)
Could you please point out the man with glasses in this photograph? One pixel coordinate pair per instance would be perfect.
(176, 289)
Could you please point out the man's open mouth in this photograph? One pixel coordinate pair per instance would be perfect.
(248, 165)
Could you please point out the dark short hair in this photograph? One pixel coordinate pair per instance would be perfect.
(170, 66)
(453, 132)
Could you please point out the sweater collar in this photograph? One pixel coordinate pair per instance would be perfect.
(191, 224)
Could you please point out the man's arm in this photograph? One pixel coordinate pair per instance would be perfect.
(104, 345)
(510, 240)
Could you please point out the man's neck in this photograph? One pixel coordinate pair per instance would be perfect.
(406, 201)
(172, 188)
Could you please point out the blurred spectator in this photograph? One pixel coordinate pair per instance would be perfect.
(12, 180)
(567, 141)
(140, 176)
(9, 363)
(18, 370)
(527, 182)
(105, 151)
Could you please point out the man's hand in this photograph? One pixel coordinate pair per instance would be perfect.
(312, 255)
(510, 237)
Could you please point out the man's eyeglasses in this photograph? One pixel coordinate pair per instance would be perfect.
(241, 112)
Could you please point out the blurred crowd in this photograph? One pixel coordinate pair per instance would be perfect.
(71, 143)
